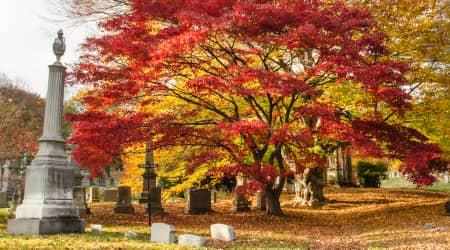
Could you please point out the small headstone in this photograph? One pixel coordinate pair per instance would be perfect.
(198, 201)
(111, 195)
(191, 240)
(96, 228)
(131, 234)
(123, 205)
(94, 194)
(3, 200)
(240, 203)
(222, 232)
(162, 233)
(79, 198)
(447, 208)
(260, 201)
(155, 200)
(429, 225)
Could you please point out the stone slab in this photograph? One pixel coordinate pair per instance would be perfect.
(110, 195)
(79, 198)
(240, 203)
(94, 194)
(198, 201)
(191, 240)
(222, 232)
(45, 226)
(162, 233)
(4, 200)
(96, 228)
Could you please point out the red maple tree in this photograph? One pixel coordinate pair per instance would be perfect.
(243, 81)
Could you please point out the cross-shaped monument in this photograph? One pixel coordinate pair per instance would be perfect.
(151, 194)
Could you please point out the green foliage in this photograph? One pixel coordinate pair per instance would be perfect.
(371, 174)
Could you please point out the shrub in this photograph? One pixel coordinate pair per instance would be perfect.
(370, 174)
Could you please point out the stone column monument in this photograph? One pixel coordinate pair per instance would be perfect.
(48, 206)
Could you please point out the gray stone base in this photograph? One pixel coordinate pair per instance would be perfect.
(124, 210)
(156, 210)
(84, 211)
(45, 226)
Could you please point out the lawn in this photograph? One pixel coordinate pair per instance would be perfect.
(354, 218)
(403, 183)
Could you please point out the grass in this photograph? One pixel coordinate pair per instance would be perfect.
(402, 183)
(354, 218)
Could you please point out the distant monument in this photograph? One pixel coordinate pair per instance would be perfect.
(9, 178)
(79, 192)
(48, 206)
(149, 187)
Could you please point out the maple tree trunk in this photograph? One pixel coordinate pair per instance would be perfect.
(273, 206)
(309, 188)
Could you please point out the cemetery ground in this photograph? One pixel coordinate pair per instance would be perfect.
(354, 218)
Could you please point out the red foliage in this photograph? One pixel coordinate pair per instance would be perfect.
(238, 64)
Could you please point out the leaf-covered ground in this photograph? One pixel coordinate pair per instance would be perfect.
(353, 219)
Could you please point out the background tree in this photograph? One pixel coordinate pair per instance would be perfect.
(418, 35)
(245, 80)
(21, 119)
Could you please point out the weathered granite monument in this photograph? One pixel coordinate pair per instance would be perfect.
(48, 206)
(94, 194)
(149, 186)
(110, 195)
(9, 178)
(240, 203)
(198, 201)
(79, 192)
(123, 205)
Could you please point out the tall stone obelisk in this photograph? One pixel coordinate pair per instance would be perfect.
(48, 206)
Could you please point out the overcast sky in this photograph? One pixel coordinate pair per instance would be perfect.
(26, 39)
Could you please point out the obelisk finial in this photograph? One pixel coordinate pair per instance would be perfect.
(59, 46)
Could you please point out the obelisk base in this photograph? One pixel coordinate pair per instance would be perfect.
(27, 226)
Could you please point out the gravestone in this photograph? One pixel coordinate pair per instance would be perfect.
(96, 228)
(130, 234)
(79, 197)
(123, 205)
(155, 200)
(222, 232)
(447, 208)
(149, 188)
(191, 240)
(197, 201)
(94, 194)
(9, 178)
(3, 200)
(260, 201)
(162, 233)
(111, 195)
(79, 192)
(85, 182)
(240, 203)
